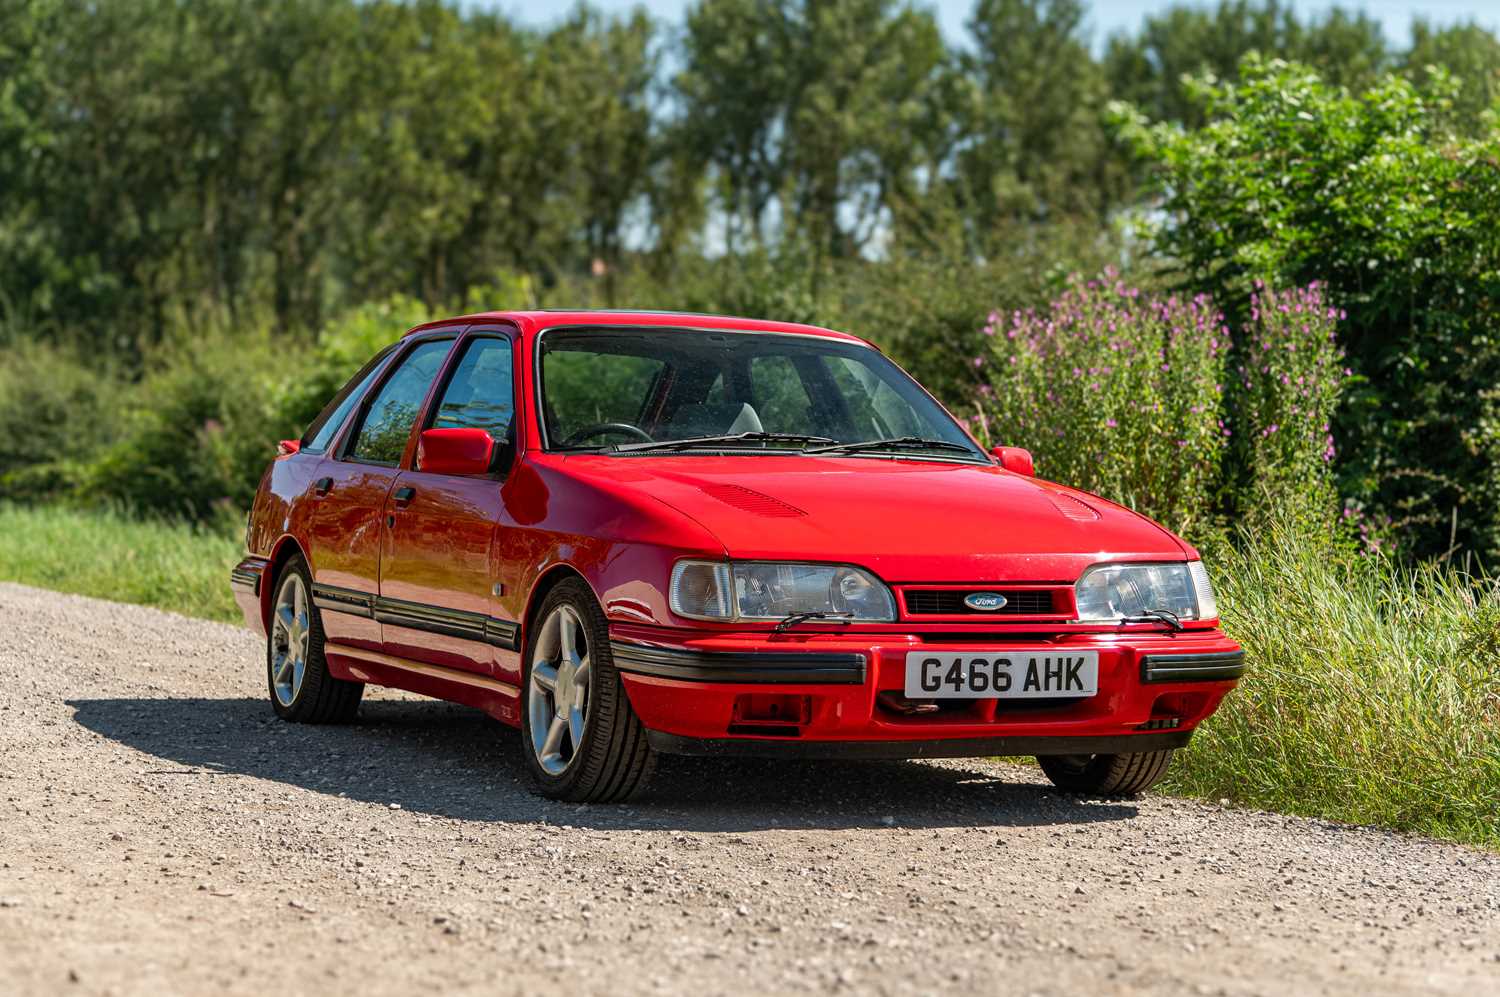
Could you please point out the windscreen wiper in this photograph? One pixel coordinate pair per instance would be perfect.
(792, 619)
(708, 441)
(1166, 616)
(894, 443)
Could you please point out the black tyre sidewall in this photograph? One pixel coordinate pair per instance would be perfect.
(341, 698)
(1108, 775)
(607, 704)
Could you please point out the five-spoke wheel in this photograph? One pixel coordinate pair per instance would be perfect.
(559, 689)
(583, 742)
(302, 689)
(291, 632)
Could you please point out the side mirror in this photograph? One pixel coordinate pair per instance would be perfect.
(455, 451)
(286, 448)
(1017, 459)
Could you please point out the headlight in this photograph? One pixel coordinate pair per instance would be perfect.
(773, 590)
(1112, 592)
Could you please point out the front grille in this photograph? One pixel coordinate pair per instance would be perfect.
(950, 602)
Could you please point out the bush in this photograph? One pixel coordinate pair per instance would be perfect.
(197, 430)
(55, 410)
(1126, 394)
(1289, 377)
(190, 436)
(1116, 392)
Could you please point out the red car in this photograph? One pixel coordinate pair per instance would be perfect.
(631, 534)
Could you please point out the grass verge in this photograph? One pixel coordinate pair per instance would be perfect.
(110, 556)
(1373, 695)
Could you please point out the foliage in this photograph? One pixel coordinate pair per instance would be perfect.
(1136, 397)
(1375, 195)
(1029, 122)
(107, 555)
(55, 410)
(1147, 68)
(807, 114)
(1116, 392)
(1467, 53)
(1286, 387)
(1372, 695)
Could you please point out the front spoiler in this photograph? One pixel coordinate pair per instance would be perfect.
(966, 747)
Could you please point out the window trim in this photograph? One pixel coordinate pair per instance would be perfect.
(537, 397)
(445, 378)
(409, 345)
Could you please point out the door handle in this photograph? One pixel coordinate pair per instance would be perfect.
(323, 485)
(403, 496)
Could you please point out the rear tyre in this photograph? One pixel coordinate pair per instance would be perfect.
(582, 740)
(1106, 775)
(302, 690)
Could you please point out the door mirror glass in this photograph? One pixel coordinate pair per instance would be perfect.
(1017, 459)
(455, 451)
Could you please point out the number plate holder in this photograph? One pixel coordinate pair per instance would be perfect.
(1013, 673)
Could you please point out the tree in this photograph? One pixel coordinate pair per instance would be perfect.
(1468, 52)
(1147, 69)
(807, 113)
(1032, 144)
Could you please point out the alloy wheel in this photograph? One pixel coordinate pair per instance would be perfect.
(291, 637)
(558, 700)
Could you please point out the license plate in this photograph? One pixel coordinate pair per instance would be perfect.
(1028, 674)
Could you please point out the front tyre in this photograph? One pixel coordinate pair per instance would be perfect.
(302, 690)
(1106, 775)
(582, 740)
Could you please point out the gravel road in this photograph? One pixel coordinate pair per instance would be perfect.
(161, 833)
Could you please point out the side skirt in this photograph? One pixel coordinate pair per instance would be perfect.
(499, 699)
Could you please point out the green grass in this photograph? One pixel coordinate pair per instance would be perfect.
(1373, 695)
(111, 556)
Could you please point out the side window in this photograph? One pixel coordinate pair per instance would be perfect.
(479, 395)
(382, 437)
(326, 426)
(780, 397)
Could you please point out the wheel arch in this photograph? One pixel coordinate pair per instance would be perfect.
(285, 549)
(545, 583)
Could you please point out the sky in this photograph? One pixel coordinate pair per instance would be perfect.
(1108, 17)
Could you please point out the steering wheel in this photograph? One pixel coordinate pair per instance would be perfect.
(600, 428)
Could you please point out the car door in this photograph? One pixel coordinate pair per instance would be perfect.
(439, 569)
(350, 494)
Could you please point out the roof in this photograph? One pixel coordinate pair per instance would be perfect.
(536, 320)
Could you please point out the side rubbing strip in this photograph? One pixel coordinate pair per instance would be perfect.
(419, 616)
(337, 600)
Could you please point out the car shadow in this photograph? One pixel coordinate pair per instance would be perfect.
(451, 761)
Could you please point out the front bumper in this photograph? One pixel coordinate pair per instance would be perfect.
(708, 695)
